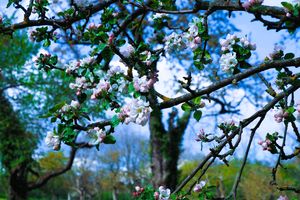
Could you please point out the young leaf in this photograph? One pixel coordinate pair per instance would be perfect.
(109, 139)
(197, 115)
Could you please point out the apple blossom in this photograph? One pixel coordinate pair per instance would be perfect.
(198, 187)
(201, 136)
(276, 52)
(174, 42)
(137, 111)
(280, 115)
(127, 50)
(281, 197)
(80, 84)
(228, 61)
(164, 193)
(156, 195)
(159, 16)
(53, 141)
(72, 66)
(96, 135)
(114, 70)
(228, 42)
(75, 104)
(143, 84)
(265, 144)
(102, 86)
(249, 3)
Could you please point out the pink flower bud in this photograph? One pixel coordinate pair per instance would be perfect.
(111, 38)
(260, 142)
(156, 195)
(285, 114)
(197, 40)
(137, 188)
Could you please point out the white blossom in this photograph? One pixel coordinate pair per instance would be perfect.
(136, 111)
(142, 84)
(127, 50)
(228, 61)
(164, 193)
(72, 66)
(159, 15)
(198, 187)
(53, 141)
(102, 86)
(227, 43)
(96, 135)
(75, 104)
(80, 83)
(114, 70)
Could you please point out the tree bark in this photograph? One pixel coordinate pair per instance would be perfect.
(18, 184)
(165, 145)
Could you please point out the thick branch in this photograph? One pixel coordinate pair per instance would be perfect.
(44, 179)
(238, 77)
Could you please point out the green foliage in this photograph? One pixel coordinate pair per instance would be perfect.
(255, 183)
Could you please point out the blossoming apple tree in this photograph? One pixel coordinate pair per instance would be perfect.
(141, 33)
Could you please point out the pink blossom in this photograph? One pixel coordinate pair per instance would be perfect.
(248, 4)
(156, 195)
(198, 187)
(111, 38)
(280, 115)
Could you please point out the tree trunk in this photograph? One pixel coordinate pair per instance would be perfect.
(157, 145)
(18, 184)
(115, 193)
(15, 147)
(165, 145)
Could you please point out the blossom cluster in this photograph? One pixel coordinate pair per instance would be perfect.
(191, 39)
(277, 52)
(265, 144)
(280, 115)
(73, 66)
(162, 194)
(96, 135)
(127, 50)
(53, 141)
(80, 84)
(283, 197)
(229, 59)
(249, 3)
(157, 16)
(143, 84)
(199, 186)
(136, 111)
(201, 136)
(138, 191)
(73, 105)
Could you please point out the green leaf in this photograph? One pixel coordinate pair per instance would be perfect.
(53, 119)
(115, 121)
(287, 5)
(289, 56)
(109, 139)
(49, 114)
(186, 107)
(57, 107)
(197, 115)
(81, 98)
(197, 100)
